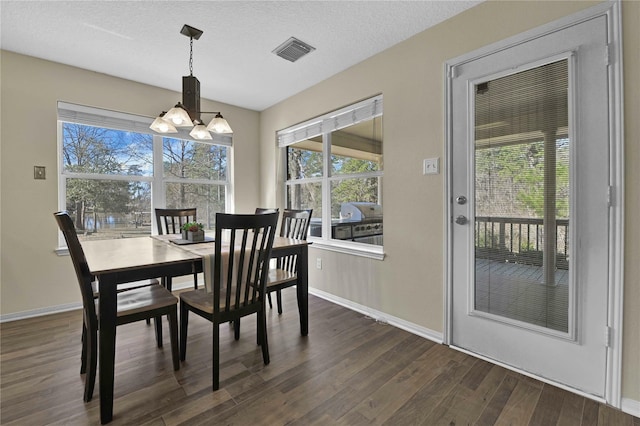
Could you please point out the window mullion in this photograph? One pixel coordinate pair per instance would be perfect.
(158, 185)
(326, 186)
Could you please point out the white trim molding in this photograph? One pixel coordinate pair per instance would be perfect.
(631, 406)
(40, 312)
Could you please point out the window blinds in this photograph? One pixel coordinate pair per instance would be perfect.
(97, 117)
(336, 120)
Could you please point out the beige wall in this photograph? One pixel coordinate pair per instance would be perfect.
(32, 276)
(408, 284)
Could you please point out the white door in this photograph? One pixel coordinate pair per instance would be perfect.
(530, 182)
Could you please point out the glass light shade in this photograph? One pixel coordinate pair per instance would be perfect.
(161, 125)
(219, 125)
(178, 116)
(200, 132)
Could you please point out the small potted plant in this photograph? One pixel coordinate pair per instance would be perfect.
(193, 231)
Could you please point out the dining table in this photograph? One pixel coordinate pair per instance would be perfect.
(125, 260)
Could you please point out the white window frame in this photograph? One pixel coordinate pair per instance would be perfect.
(103, 118)
(323, 126)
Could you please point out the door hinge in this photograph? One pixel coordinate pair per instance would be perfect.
(607, 336)
(611, 196)
(453, 72)
(608, 54)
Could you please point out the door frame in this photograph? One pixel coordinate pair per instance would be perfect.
(613, 332)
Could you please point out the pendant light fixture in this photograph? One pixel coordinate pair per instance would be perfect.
(187, 113)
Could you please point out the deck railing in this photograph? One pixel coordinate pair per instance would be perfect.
(519, 240)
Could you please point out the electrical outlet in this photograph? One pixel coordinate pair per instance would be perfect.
(431, 166)
(319, 263)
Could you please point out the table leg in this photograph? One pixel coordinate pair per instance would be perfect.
(302, 288)
(107, 341)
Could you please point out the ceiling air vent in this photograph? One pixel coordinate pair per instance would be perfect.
(293, 49)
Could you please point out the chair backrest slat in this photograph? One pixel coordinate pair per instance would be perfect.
(170, 221)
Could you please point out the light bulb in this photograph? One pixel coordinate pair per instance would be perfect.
(161, 125)
(200, 132)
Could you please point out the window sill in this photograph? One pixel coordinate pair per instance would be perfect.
(349, 247)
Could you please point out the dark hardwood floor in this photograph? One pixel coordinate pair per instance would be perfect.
(350, 370)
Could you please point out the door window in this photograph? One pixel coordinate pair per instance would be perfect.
(521, 238)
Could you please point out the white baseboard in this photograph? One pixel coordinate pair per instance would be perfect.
(380, 316)
(630, 406)
(40, 312)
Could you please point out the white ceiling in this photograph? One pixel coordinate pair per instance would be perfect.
(141, 40)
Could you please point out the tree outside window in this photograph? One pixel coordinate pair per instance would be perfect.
(108, 179)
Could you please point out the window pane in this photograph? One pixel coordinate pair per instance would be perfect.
(304, 159)
(353, 190)
(105, 209)
(366, 229)
(88, 149)
(208, 199)
(522, 163)
(307, 196)
(193, 160)
(357, 148)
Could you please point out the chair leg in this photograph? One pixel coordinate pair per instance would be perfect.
(216, 357)
(91, 340)
(158, 322)
(173, 335)
(269, 299)
(184, 322)
(236, 328)
(262, 331)
(195, 280)
(279, 301)
(83, 355)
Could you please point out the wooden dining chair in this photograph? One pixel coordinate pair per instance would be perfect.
(150, 301)
(170, 221)
(235, 279)
(295, 224)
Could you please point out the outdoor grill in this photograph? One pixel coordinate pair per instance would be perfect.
(359, 221)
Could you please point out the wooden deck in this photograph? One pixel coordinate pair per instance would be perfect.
(518, 292)
(350, 370)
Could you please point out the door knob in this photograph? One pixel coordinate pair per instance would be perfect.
(461, 220)
(461, 199)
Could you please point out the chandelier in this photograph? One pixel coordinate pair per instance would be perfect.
(187, 113)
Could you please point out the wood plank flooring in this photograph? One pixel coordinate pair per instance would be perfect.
(350, 370)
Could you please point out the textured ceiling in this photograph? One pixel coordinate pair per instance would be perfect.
(141, 40)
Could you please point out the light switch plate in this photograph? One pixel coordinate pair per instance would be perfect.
(431, 166)
(39, 172)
